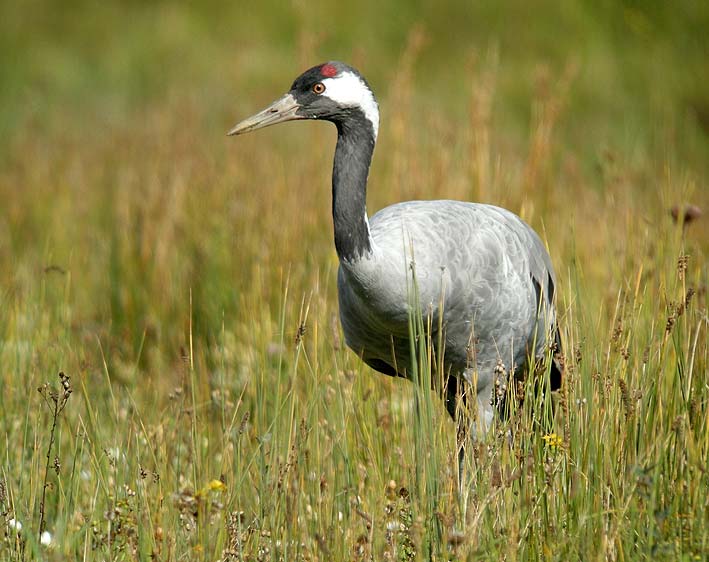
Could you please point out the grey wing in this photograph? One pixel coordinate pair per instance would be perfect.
(499, 304)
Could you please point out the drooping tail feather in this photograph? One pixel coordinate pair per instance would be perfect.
(556, 374)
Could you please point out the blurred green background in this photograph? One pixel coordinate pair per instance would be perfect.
(641, 63)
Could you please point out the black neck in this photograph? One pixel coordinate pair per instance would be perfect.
(353, 155)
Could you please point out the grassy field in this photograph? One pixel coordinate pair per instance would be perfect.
(185, 282)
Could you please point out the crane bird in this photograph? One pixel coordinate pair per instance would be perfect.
(481, 272)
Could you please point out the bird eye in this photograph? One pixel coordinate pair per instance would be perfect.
(319, 88)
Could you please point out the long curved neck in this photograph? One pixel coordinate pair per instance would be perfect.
(353, 155)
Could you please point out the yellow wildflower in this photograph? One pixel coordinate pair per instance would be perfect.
(216, 486)
(553, 440)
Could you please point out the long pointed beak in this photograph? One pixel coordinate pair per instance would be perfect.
(283, 109)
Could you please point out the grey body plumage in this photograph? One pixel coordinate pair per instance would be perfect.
(485, 285)
(481, 272)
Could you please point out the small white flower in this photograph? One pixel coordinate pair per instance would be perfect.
(46, 538)
(15, 524)
(339, 516)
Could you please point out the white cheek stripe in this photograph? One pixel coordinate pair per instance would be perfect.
(349, 90)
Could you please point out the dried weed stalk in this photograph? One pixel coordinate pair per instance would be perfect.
(57, 400)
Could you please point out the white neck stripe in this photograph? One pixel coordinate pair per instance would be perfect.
(349, 90)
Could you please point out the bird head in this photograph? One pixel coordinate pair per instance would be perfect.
(332, 91)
